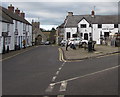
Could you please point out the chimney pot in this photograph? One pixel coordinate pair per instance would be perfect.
(93, 13)
(70, 13)
(22, 14)
(17, 11)
(11, 8)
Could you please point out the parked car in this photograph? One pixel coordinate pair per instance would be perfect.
(42, 43)
(47, 43)
(63, 42)
(78, 41)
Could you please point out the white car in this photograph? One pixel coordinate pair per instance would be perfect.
(63, 42)
(78, 41)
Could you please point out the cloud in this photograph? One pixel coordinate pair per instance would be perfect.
(60, 1)
(54, 13)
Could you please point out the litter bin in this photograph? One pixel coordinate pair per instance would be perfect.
(90, 46)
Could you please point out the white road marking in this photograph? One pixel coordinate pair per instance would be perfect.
(60, 68)
(63, 86)
(54, 78)
(57, 72)
(90, 74)
(50, 88)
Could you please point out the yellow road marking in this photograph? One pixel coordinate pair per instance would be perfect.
(61, 58)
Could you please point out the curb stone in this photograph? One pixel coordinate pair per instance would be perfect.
(87, 57)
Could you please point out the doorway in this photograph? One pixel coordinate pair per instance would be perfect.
(106, 34)
(68, 35)
(86, 36)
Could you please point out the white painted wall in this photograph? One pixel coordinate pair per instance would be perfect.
(95, 30)
(84, 30)
(22, 30)
(71, 30)
(20, 37)
(105, 28)
(1, 42)
(11, 33)
(96, 33)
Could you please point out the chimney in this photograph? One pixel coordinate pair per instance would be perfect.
(70, 13)
(22, 14)
(92, 13)
(11, 8)
(17, 11)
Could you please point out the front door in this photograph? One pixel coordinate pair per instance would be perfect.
(68, 35)
(86, 36)
(106, 34)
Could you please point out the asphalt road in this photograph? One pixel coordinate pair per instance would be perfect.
(39, 72)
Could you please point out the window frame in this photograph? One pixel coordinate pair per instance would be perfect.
(99, 25)
(83, 25)
(115, 25)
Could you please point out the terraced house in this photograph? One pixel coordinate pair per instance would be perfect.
(86, 26)
(15, 29)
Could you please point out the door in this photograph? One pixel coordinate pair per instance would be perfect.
(106, 34)
(68, 35)
(86, 36)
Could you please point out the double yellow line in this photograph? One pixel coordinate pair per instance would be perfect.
(61, 58)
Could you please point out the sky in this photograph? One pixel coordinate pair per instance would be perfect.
(51, 13)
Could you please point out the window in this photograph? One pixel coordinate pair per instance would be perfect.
(83, 25)
(68, 35)
(115, 25)
(16, 25)
(90, 34)
(90, 25)
(24, 27)
(8, 40)
(74, 35)
(8, 27)
(99, 25)
(81, 34)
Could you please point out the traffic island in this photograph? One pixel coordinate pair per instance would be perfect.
(81, 53)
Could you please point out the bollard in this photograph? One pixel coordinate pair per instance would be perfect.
(90, 46)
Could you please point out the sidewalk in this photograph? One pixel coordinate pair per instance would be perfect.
(80, 53)
(14, 53)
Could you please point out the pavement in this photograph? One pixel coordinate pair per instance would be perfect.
(15, 53)
(81, 53)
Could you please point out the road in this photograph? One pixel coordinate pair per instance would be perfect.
(39, 72)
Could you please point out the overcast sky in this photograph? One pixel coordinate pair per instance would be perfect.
(52, 14)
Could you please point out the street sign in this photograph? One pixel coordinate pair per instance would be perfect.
(4, 34)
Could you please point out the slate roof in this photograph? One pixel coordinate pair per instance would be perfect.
(14, 16)
(5, 18)
(72, 21)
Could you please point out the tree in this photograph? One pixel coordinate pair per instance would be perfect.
(53, 35)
